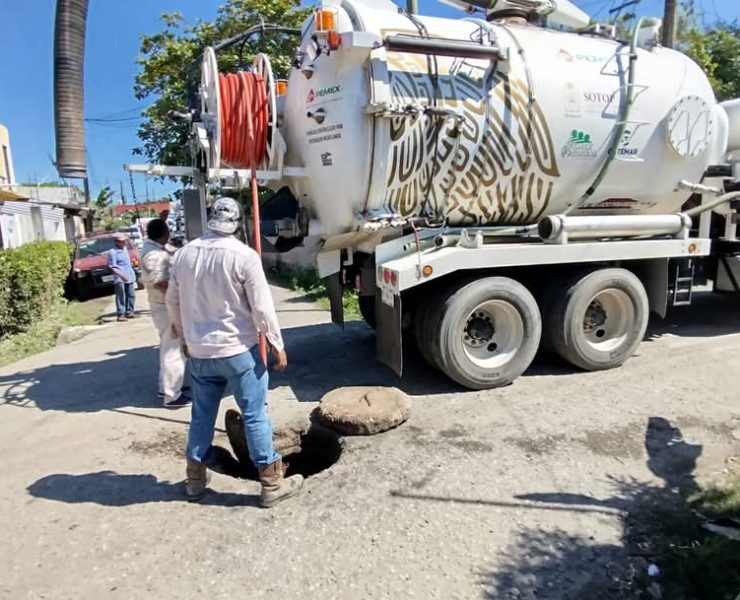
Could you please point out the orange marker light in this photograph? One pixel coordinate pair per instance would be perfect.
(692, 248)
(427, 270)
(334, 40)
(281, 87)
(325, 20)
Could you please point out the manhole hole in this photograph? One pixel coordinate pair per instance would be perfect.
(306, 451)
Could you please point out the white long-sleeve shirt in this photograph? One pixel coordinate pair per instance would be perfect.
(156, 261)
(219, 298)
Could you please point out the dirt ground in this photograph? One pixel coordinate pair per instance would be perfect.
(536, 490)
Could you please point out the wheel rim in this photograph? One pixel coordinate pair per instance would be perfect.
(608, 320)
(493, 334)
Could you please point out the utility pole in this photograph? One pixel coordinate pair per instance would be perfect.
(670, 21)
(123, 198)
(412, 7)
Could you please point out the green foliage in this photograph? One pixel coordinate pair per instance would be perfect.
(104, 197)
(166, 58)
(42, 334)
(102, 201)
(31, 281)
(717, 51)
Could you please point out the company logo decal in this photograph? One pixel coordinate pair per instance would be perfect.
(579, 146)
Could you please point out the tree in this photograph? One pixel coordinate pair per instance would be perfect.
(104, 198)
(166, 58)
(717, 51)
(100, 207)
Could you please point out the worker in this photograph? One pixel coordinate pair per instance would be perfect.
(124, 278)
(156, 260)
(219, 301)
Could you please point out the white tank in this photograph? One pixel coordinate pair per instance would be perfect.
(520, 141)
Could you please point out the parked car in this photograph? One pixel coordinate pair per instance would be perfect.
(90, 265)
(134, 233)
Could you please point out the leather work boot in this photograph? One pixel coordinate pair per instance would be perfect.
(275, 487)
(197, 479)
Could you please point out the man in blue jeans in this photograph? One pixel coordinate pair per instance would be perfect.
(219, 303)
(124, 277)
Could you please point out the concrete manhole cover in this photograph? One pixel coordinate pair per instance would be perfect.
(364, 410)
(306, 449)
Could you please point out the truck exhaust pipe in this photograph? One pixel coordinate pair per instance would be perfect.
(69, 56)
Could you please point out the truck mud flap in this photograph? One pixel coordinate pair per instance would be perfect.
(334, 285)
(388, 332)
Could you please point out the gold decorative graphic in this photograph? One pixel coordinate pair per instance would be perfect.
(497, 164)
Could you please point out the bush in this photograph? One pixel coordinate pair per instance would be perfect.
(31, 281)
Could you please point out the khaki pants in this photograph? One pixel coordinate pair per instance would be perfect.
(171, 358)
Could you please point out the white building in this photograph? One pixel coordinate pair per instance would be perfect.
(31, 213)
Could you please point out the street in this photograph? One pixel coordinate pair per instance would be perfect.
(519, 492)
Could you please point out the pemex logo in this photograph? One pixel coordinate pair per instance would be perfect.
(331, 90)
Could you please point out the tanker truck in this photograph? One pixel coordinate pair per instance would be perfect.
(515, 178)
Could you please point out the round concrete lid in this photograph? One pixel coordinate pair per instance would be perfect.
(363, 410)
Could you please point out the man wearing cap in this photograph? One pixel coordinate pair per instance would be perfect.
(156, 260)
(219, 300)
(124, 278)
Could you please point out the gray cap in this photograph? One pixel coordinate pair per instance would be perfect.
(120, 237)
(225, 216)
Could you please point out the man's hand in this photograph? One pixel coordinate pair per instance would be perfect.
(281, 359)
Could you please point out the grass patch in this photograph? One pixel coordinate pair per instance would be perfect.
(42, 334)
(695, 562)
(307, 282)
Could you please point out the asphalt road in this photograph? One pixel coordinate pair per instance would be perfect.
(521, 492)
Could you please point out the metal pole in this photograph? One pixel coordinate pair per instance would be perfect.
(412, 7)
(670, 21)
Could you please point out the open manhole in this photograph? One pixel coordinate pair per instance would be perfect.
(306, 450)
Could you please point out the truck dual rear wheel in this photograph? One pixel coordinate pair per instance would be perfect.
(598, 319)
(483, 334)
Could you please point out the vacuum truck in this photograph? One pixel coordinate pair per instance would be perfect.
(515, 178)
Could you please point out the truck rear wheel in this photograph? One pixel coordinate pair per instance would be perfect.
(487, 332)
(367, 309)
(599, 320)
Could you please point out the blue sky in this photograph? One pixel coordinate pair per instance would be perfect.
(26, 78)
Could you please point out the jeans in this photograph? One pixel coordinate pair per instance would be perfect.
(125, 298)
(247, 375)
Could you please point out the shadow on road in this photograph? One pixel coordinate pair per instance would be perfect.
(322, 357)
(113, 489)
(124, 379)
(556, 564)
(710, 315)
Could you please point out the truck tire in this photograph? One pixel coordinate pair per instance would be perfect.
(367, 309)
(599, 319)
(488, 332)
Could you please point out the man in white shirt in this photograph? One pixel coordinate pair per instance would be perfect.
(219, 300)
(156, 260)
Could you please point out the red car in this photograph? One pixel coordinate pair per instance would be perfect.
(90, 267)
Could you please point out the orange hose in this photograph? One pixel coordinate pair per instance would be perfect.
(244, 129)
(244, 119)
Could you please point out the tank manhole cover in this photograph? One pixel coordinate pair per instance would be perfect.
(307, 450)
(363, 410)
